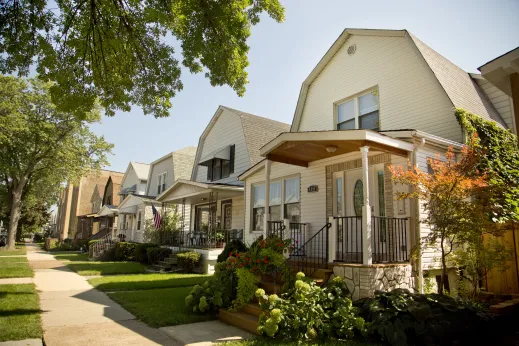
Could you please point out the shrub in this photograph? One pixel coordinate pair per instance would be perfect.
(310, 312)
(125, 251)
(400, 317)
(218, 292)
(247, 286)
(50, 243)
(232, 246)
(68, 241)
(141, 253)
(189, 261)
(108, 255)
(156, 254)
(38, 238)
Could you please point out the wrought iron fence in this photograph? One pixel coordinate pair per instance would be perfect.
(216, 239)
(276, 229)
(349, 239)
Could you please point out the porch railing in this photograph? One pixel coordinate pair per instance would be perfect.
(276, 229)
(297, 232)
(388, 239)
(200, 239)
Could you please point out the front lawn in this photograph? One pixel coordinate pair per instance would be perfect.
(72, 257)
(15, 270)
(160, 307)
(19, 312)
(147, 281)
(13, 260)
(270, 342)
(20, 250)
(106, 268)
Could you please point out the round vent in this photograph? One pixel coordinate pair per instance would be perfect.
(352, 49)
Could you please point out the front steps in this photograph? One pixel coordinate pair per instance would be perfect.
(248, 317)
(167, 265)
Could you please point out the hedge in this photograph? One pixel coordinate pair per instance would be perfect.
(141, 251)
(125, 251)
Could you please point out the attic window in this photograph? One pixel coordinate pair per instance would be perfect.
(220, 166)
(352, 49)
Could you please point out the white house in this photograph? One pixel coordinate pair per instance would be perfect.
(142, 183)
(377, 98)
(211, 202)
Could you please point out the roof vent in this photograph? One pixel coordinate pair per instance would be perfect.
(352, 49)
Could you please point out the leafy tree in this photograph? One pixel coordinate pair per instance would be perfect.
(117, 52)
(446, 193)
(41, 146)
(497, 150)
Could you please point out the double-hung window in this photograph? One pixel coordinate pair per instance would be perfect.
(275, 201)
(161, 183)
(139, 221)
(292, 197)
(258, 207)
(360, 112)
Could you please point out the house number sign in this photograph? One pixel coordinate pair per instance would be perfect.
(313, 188)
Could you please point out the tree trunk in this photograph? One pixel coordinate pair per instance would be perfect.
(16, 206)
(444, 268)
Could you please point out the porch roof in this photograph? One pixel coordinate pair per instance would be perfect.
(301, 148)
(107, 210)
(194, 192)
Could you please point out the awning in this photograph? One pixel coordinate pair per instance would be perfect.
(107, 210)
(192, 192)
(222, 153)
(301, 148)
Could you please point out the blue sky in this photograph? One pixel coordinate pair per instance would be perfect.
(468, 33)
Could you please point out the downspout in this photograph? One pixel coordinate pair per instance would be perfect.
(415, 211)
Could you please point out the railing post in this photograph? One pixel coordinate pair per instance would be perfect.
(286, 224)
(332, 239)
(367, 256)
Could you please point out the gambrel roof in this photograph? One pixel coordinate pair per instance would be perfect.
(458, 85)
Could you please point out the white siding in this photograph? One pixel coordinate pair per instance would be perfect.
(227, 130)
(130, 178)
(166, 165)
(238, 213)
(409, 95)
(499, 99)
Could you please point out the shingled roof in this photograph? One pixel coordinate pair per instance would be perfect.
(258, 131)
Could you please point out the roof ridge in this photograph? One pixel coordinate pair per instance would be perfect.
(242, 113)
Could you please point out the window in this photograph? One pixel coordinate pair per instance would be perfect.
(258, 207)
(161, 182)
(292, 197)
(219, 168)
(359, 113)
(139, 221)
(338, 196)
(275, 201)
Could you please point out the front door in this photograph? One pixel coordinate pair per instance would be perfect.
(227, 215)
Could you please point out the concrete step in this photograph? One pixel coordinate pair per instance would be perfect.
(239, 319)
(165, 264)
(171, 260)
(252, 309)
(160, 268)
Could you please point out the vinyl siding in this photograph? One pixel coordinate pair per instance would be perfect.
(130, 179)
(409, 95)
(226, 131)
(499, 99)
(166, 165)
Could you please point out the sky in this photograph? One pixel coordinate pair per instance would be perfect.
(468, 33)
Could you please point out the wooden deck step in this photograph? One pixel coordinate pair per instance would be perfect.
(252, 309)
(240, 319)
(270, 287)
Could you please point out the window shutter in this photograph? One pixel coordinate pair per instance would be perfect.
(231, 159)
(210, 171)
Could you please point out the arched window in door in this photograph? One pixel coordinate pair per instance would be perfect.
(358, 197)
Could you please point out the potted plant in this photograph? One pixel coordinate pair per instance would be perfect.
(220, 238)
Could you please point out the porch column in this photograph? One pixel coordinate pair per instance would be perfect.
(332, 239)
(267, 197)
(366, 210)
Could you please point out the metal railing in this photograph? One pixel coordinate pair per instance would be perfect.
(307, 258)
(103, 243)
(276, 229)
(200, 239)
(388, 239)
(297, 232)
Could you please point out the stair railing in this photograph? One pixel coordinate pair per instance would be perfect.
(101, 245)
(307, 258)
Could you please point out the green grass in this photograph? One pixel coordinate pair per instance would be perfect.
(12, 260)
(72, 257)
(146, 281)
(19, 313)
(20, 250)
(15, 270)
(106, 268)
(160, 307)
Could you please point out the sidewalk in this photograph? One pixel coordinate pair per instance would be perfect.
(74, 313)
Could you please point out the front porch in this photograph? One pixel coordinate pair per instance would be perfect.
(364, 228)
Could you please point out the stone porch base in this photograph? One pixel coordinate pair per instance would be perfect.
(363, 281)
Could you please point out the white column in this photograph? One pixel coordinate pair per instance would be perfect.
(286, 223)
(267, 197)
(366, 210)
(332, 239)
(134, 221)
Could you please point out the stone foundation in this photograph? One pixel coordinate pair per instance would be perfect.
(363, 281)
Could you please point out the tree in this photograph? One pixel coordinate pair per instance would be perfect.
(446, 194)
(40, 146)
(116, 51)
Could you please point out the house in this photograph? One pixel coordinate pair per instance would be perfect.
(500, 80)
(137, 205)
(75, 202)
(377, 98)
(211, 203)
(88, 224)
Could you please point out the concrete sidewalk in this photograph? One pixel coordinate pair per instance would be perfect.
(74, 313)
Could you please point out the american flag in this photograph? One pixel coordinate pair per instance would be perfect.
(157, 219)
